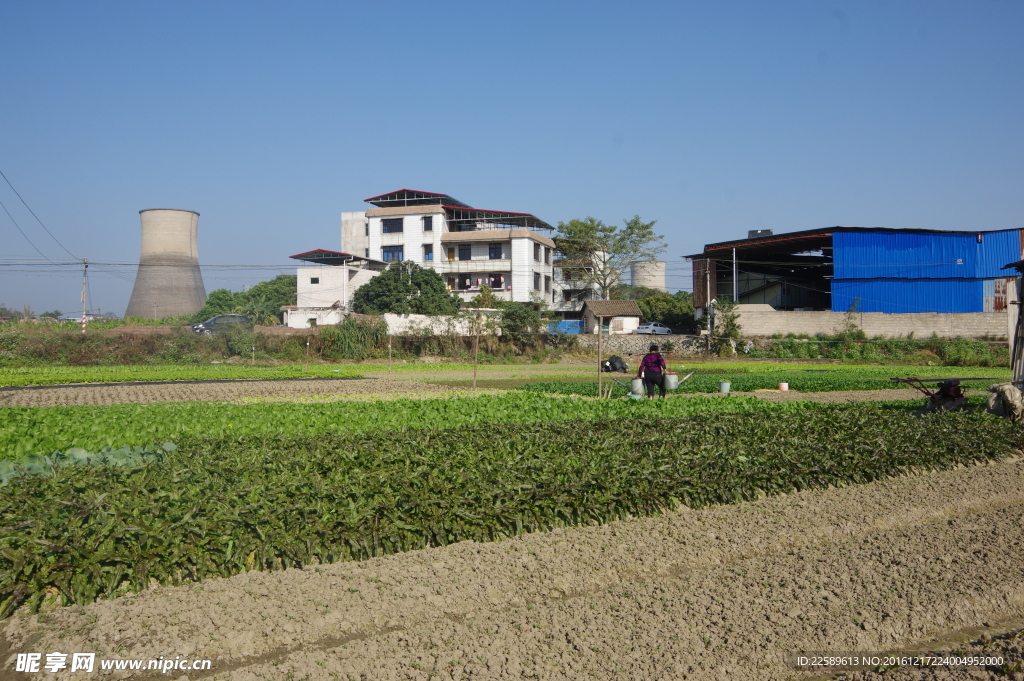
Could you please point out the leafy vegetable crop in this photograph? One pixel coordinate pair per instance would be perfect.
(217, 507)
(816, 380)
(40, 465)
(27, 430)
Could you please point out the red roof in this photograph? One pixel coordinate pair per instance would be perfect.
(418, 191)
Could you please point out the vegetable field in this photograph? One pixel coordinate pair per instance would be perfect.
(41, 430)
(761, 377)
(222, 503)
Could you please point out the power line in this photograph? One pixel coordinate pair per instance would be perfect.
(36, 217)
(22, 231)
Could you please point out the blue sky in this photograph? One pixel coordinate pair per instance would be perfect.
(269, 119)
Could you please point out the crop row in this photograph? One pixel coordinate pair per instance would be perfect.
(803, 381)
(218, 507)
(28, 430)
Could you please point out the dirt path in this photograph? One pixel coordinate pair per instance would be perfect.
(724, 593)
(232, 391)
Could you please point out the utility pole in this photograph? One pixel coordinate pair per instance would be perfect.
(85, 281)
(735, 280)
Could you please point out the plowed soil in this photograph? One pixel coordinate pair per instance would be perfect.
(730, 592)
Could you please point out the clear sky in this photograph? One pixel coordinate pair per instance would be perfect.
(713, 118)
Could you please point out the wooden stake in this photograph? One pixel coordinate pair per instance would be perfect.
(307, 354)
(600, 386)
(476, 348)
(389, 353)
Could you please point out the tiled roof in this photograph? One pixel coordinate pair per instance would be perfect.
(612, 308)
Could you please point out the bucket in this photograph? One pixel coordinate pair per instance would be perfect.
(636, 386)
(671, 381)
(635, 396)
(723, 387)
(783, 387)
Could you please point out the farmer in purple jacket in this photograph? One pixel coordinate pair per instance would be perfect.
(652, 370)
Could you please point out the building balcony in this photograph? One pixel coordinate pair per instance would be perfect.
(445, 266)
(470, 293)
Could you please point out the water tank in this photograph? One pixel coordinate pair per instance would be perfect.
(168, 282)
(648, 273)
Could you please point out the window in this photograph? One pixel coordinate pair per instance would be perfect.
(451, 253)
(465, 252)
(497, 282)
(428, 251)
(428, 223)
(464, 282)
(536, 252)
(547, 284)
(366, 227)
(547, 255)
(536, 281)
(366, 252)
(392, 254)
(314, 280)
(567, 296)
(392, 225)
(495, 251)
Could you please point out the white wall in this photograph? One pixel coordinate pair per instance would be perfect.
(335, 285)
(354, 238)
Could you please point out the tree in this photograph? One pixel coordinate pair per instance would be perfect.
(55, 314)
(727, 323)
(485, 299)
(220, 301)
(598, 254)
(405, 288)
(519, 318)
(264, 300)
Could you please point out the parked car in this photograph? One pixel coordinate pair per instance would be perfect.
(221, 323)
(654, 328)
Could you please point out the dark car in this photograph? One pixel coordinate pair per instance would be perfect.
(221, 323)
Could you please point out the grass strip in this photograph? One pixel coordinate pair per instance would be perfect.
(218, 507)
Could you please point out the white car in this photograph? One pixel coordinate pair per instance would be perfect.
(653, 328)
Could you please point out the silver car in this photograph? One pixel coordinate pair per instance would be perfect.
(653, 328)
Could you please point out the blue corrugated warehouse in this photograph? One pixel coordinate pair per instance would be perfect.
(869, 269)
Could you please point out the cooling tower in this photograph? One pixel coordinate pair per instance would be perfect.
(649, 273)
(168, 282)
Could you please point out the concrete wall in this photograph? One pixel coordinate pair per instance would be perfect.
(355, 237)
(922, 324)
(335, 284)
(637, 345)
(415, 324)
(168, 282)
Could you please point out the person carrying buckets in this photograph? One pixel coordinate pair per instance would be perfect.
(652, 371)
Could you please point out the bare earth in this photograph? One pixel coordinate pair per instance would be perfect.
(724, 593)
(924, 562)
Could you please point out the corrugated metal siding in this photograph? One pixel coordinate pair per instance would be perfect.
(995, 294)
(702, 280)
(865, 255)
(909, 295)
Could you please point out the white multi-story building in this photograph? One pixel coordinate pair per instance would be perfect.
(469, 247)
